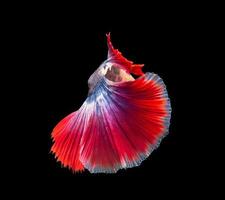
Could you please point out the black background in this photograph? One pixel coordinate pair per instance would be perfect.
(52, 49)
(70, 46)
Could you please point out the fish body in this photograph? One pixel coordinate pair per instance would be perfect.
(120, 123)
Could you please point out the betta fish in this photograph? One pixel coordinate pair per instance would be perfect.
(120, 123)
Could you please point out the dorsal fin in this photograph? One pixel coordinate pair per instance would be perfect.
(116, 57)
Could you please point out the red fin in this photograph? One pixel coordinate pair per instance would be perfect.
(66, 147)
(116, 57)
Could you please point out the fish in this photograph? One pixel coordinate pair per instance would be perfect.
(124, 118)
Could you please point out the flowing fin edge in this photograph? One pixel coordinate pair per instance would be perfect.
(130, 164)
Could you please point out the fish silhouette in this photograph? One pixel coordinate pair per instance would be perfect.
(120, 123)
